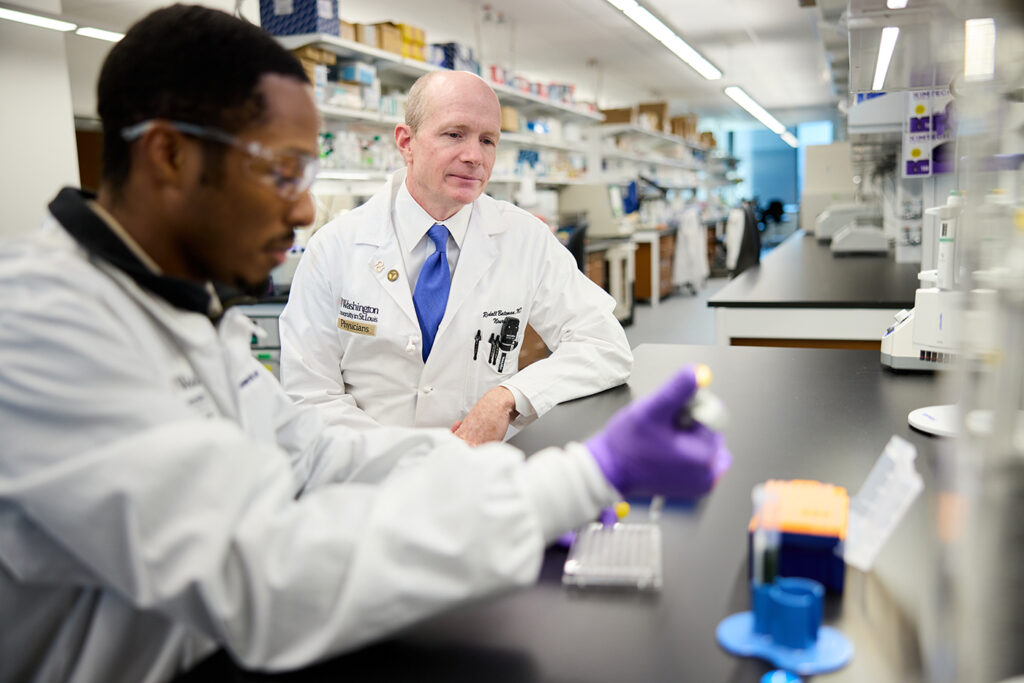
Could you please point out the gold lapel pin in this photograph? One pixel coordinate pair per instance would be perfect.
(392, 275)
(378, 266)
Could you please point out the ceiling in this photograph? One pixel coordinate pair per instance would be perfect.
(791, 59)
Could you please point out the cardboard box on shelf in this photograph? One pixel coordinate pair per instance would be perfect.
(366, 34)
(317, 75)
(299, 16)
(315, 55)
(707, 138)
(510, 119)
(347, 95)
(685, 126)
(389, 37)
(624, 115)
(412, 34)
(346, 30)
(659, 113)
(647, 120)
(415, 51)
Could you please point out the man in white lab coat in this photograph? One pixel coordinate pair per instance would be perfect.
(353, 336)
(160, 495)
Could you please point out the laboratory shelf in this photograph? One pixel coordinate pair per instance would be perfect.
(652, 160)
(349, 49)
(389, 61)
(545, 142)
(612, 129)
(518, 98)
(541, 180)
(358, 116)
(351, 174)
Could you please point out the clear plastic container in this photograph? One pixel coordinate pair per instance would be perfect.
(883, 499)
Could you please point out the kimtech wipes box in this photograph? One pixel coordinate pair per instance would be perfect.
(289, 17)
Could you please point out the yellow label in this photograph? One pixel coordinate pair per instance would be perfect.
(369, 329)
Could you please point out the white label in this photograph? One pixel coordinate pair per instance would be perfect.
(325, 8)
(283, 7)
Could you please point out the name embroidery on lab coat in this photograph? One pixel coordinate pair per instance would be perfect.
(357, 318)
(499, 314)
(186, 384)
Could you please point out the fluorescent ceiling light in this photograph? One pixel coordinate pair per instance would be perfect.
(667, 37)
(886, 46)
(90, 32)
(36, 20)
(789, 139)
(896, 4)
(979, 49)
(756, 110)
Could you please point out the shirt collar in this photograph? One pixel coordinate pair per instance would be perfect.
(413, 221)
(102, 236)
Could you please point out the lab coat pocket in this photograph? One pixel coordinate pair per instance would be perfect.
(494, 359)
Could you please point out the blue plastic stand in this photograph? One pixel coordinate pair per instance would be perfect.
(779, 676)
(785, 628)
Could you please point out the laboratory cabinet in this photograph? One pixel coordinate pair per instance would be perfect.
(654, 262)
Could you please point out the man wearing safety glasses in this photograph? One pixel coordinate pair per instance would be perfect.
(160, 495)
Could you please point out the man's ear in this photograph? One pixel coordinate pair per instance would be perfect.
(403, 140)
(163, 154)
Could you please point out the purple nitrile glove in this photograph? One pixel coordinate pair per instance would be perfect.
(644, 450)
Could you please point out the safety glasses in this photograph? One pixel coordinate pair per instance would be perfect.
(290, 173)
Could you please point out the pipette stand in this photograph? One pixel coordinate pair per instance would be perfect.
(785, 629)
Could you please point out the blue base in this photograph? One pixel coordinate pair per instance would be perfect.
(832, 651)
(779, 676)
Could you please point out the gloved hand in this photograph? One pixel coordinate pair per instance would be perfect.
(645, 450)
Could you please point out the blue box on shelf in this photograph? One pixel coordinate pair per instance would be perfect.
(355, 72)
(289, 17)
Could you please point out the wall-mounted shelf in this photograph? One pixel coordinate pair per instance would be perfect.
(548, 182)
(412, 69)
(667, 162)
(612, 129)
(345, 114)
(534, 140)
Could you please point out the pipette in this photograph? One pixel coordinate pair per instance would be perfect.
(705, 408)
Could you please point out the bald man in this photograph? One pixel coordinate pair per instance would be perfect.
(410, 310)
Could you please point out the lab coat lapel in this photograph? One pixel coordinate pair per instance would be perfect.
(479, 251)
(385, 254)
(387, 258)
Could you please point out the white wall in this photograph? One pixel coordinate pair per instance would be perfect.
(37, 132)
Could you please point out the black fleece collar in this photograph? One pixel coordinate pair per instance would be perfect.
(90, 231)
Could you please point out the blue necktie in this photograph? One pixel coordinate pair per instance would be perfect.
(431, 294)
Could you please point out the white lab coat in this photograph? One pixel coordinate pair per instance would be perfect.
(351, 343)
(160, 495)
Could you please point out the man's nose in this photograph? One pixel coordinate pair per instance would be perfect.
(302, 211)
(472, 152)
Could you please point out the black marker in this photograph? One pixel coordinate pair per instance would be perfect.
(476, 343)
(494, 349)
